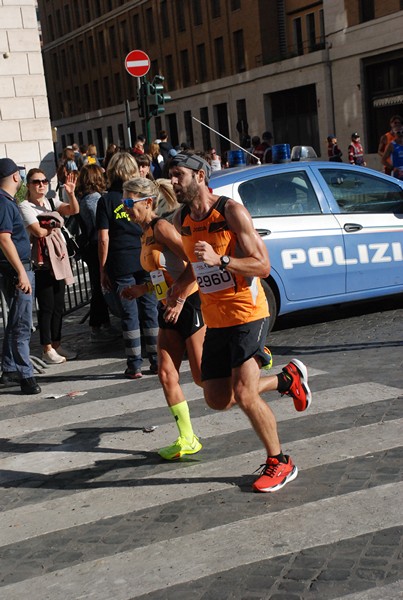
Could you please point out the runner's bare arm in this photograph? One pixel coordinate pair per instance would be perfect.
(165, 233)
(255, 262)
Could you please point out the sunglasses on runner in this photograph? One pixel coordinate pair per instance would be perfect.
(130, 202)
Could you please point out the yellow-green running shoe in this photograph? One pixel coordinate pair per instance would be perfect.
(180, 447)
(270, 359)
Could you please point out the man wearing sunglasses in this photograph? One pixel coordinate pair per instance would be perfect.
(228, 258)
(16, 283)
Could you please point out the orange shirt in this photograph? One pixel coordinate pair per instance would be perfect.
(226, 299)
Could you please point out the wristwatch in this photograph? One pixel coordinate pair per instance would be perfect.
(225, 260)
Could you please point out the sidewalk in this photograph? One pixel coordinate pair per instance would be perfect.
(76, 336)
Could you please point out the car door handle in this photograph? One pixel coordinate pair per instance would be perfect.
(263, 232)
(349, 227)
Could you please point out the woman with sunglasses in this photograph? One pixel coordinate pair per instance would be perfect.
(49, 291)
(181, 324)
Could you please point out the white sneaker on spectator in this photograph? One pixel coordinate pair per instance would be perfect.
(68, 354)
(51, 357)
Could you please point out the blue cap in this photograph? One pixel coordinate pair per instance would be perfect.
(8, 167)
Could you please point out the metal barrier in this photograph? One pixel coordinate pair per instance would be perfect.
(77, 294)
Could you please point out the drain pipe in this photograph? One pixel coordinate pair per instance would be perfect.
(330, 73)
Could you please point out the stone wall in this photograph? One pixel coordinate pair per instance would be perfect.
(25, 129)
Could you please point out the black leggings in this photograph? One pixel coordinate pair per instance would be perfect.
(99, 313)
(50, 296)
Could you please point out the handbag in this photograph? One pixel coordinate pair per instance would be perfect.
(73, 249)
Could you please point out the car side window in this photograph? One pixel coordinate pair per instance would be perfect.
(361, 192)
(281, 194)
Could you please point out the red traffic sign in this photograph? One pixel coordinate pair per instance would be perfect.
(137, 63)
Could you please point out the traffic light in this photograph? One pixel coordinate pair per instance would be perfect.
(151, 97)
(142, 99)
(156, 105)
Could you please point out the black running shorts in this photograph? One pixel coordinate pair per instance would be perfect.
(228, 347)
(190, 319)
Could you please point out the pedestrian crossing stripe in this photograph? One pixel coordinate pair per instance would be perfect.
(143, 570)
(157, 566)
(90, 411)
(86, 506)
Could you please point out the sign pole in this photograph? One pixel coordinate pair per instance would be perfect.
(129, 133)
(137, 64)
(148, 131)
(142, 99)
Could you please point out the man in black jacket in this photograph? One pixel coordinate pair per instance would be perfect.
(166, 148)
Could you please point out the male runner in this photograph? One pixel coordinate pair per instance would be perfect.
(228, 259)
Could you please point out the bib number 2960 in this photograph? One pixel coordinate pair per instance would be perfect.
(211, 279)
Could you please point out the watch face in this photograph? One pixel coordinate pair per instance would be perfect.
(225, 260)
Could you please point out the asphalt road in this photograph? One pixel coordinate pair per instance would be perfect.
(88, 510)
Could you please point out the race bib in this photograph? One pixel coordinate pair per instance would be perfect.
(211, 279)
(159, 283)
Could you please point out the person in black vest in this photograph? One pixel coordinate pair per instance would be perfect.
(16, 284)
(166, 148)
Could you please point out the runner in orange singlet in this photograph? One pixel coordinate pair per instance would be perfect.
(228, 258)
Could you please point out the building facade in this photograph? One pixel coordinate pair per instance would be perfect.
(301, 69)
(25, 129)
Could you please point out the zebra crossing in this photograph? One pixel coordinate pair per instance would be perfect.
(88, 510)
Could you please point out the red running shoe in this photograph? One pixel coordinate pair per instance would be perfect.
(299, 389)
(275, 475)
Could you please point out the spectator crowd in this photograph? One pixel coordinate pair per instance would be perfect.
(34, 250)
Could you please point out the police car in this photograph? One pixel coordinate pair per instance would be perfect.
(334, 231)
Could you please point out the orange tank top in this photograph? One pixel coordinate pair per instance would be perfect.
(226, 299)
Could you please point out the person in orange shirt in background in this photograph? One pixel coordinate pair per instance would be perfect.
(396, 123)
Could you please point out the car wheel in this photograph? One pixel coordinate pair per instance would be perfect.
(272, 302)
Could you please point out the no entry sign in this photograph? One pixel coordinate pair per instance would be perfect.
(137, 63)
